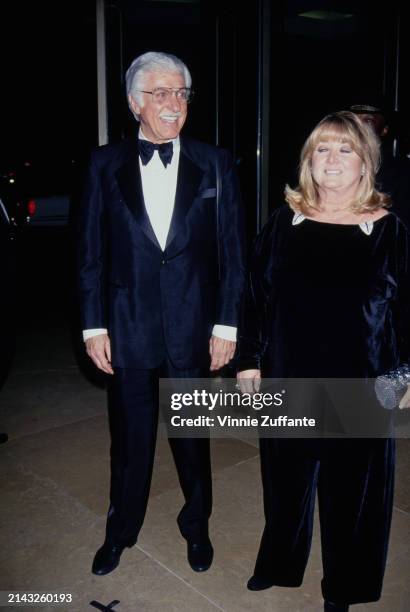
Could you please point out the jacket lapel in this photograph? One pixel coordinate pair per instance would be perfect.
(129, 180)
(189, 179)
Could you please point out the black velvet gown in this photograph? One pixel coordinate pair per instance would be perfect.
(327, 300)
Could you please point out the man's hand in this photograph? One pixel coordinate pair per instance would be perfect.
(249, 381)
(221, 352)
(99, 349)
(405, 400)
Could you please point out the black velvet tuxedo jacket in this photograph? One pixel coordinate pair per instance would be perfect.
(156, 302)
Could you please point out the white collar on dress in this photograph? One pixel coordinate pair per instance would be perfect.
(366, 226)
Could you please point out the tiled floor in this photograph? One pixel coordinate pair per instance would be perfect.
(54, 487)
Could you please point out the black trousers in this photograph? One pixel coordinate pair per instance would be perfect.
(354, 480)
(133, 416)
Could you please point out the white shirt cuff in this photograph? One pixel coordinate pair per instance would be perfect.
(221, 331)
(225, 331)
(89, 333)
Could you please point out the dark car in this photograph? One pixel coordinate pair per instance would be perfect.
(7, 280)
(47, 188)
(36, 195)
(36, 192)
(13, 208)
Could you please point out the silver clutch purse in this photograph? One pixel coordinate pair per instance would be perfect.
(391, 387)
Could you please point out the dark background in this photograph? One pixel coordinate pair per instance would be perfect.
(49, 96)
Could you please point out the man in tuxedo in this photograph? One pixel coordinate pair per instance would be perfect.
(393, 176)
(161, 272)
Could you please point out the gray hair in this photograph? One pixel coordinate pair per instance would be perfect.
(152, 61)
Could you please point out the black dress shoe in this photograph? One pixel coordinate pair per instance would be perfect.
(107, 559)
(200, 555)
(331, 606)
(3, 438)
(259, 584)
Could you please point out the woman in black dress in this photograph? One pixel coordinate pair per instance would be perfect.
(328, 297)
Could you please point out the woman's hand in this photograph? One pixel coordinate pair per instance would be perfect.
(405, 400)
(249, 381)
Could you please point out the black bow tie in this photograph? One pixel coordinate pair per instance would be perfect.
(146, 150)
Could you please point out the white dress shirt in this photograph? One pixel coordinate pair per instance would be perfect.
(159, 185)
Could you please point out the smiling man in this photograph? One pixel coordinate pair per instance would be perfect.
(161, 272)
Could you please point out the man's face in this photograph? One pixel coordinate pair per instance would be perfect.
(375, 121)
(161, 121)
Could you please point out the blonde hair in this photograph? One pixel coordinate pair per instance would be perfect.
(342, 126)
